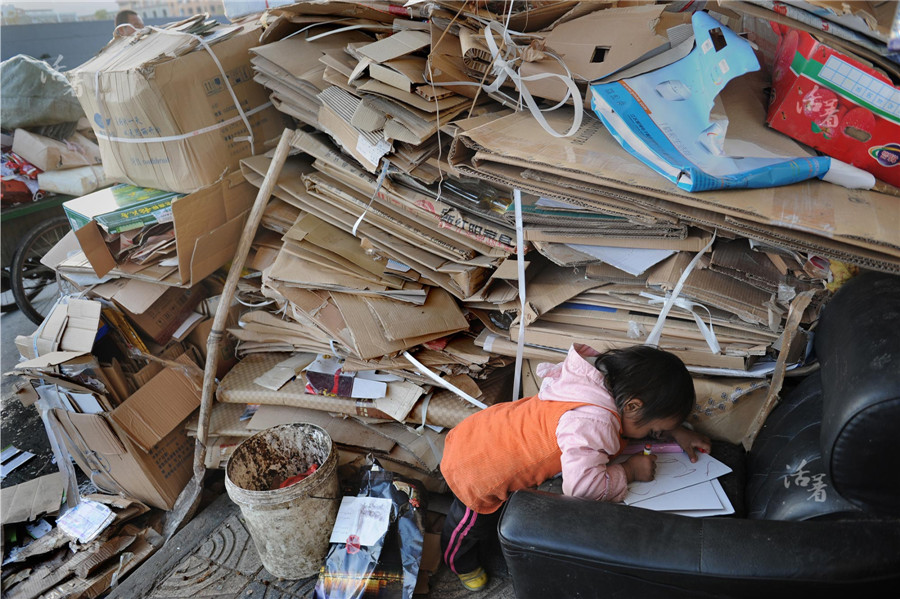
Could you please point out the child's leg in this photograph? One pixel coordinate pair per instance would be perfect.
(463, 529)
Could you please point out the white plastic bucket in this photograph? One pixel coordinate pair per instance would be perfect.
(290, 526)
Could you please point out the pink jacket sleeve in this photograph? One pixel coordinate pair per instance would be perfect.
(588, 437)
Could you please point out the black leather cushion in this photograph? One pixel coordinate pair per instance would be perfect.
(858, 344)
(559, 546)
(786, 476)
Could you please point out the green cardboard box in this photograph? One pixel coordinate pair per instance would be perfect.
(121, 207)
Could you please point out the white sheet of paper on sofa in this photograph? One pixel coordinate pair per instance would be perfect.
(701, 496)
(725, 510)
(675, 471)
(361, 520)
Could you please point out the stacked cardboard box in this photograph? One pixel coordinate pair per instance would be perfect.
(191, 110)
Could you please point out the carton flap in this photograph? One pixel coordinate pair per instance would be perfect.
(90, 238)
(93, 430)
(396, 45)
(137, 296)
(54, 358)
(27, 501)
(210, 220)
(157, 408)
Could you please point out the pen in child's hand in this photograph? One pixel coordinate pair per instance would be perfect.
(647, 448)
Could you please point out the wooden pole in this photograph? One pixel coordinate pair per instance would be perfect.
(189, 498)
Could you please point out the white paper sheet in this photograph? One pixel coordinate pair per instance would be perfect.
(86, 520)
(87, 403)
(701, 496)
(675, 471)
(634, 261)
(725, 510)
(363, 519)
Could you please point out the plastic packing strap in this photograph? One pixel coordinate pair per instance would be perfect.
(520, 264)
(340, 29)
(503, 69)
(124, 559)
(442, 383)
(55, 432)
(656, 333)
(385, 165)
(256, 305)
(707, 331)
(425, 403)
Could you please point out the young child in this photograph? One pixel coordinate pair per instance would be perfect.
(574, 425)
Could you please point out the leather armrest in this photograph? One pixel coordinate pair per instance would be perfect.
(593, 544)
(858, 344)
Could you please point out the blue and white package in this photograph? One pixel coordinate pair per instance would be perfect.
(663, 118)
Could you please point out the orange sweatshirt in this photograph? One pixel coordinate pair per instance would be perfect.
(507, 447)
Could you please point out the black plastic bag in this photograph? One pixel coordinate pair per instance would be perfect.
(387, 569)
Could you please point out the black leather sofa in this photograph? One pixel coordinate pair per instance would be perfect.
(822, 493)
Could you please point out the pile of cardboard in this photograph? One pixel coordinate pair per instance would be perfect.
(81, 551)
(118, 414)
(452, 203)
(409, 152)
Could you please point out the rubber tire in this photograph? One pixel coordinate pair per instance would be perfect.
(52, 229)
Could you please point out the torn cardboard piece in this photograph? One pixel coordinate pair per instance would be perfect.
(70, 327)
(32, 499)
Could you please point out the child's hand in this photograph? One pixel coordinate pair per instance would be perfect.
(690, 440)
(640, 467)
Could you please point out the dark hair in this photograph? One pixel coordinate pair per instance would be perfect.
(123, 16)
(657, 377)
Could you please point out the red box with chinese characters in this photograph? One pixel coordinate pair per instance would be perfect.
(836, 104)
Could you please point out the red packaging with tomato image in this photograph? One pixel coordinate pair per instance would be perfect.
(836, 105)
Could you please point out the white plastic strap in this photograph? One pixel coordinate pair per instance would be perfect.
(442, 383)
(196, 132)
(656, 333)
(520, 263)
(502, 69)
(385, 164)
(708, 333)
(425, 404)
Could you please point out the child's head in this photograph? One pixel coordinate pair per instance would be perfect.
(652, 389)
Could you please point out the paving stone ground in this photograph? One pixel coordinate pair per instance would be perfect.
(213, 557)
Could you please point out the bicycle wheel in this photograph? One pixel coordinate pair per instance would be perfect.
(34, 285)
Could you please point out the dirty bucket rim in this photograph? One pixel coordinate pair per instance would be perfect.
(300, 490)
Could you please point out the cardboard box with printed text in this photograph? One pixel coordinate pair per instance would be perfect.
(836, 104)
(163, 113)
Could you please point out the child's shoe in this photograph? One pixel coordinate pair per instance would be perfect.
(476, 580)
